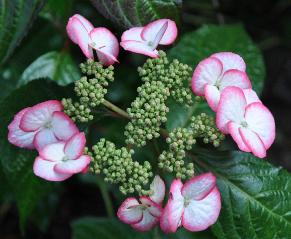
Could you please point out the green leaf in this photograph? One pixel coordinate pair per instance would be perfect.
(198, 45)
(17, 163)
(57, 11)
(30, 48)
(256, 196)
(57, 66)
(105, 228)
(16, 16)
(129, 13)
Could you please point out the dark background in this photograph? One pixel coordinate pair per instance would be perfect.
(268, 23)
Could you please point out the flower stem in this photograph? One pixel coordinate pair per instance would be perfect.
(106, 198)
(115, 108)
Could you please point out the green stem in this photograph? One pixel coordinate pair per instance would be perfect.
(156, 233)
(115, 108)
(106, 198)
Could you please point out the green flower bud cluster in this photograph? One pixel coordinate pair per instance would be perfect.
(118, 167)
(179, 140)
(148, 111)
(203, 126)
(90, 89)
(96, 70)
(175, 75)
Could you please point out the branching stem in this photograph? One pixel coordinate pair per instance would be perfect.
(115, 108)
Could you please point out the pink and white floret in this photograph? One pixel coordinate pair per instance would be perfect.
(42, 124)
(217, 72)
(59, 161)
(145, 40)
(251, 125)
(195, 205)
(83, 33)
(144, 214)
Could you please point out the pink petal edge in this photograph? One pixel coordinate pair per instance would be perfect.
(124, 211)
(207, 71)
(199, 186)
(45, 169)
(74, 147)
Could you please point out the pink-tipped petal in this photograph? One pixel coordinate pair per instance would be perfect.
(231, 107)
(164, 220)
(63, 126)
(230, 61)
(207, 71)
(106, 58)
(151, 30)
(17, 136)
(73, 166)
(201, 214)
(70, 26)
(39, 115)
(88, 25)
(53, 152)
(261, 121)
(133, 34)
(235, 78)
(212, 95)
(45, 169)
(104, 42)
(175, 204)
(253, 141)
(251, 96)
(43, 138)
(148, 222)
(233, 129)
(106, 45)
(74, 148)
(129, 211)
(81, 37)
(154, 208)
(140, 48)
(158, 188)
(199, 187)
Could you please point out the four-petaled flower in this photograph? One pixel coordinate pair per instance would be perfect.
(251, 125)
(42, 124)
(59, 161)
(217, 72)
(144, 214)
(144, 40)
(83, 33)
(194, 205)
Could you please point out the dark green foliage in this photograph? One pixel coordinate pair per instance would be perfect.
(255, 195)
(16, 16)
(129, 13)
